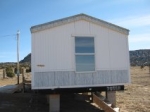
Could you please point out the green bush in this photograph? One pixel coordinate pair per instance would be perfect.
(9, 72)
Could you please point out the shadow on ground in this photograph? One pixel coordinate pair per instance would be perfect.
(27, 102)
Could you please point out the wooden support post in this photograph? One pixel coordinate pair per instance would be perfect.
(4, 73)
(54, 103)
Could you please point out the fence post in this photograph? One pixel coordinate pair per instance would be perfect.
(149, 68)
(4, 73)
(23, 79)
(13, 69)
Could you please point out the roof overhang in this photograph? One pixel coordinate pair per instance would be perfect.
(78, 17)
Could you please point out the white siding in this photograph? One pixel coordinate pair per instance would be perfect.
(118, 51)
(53, 49)
(82, 27)
(101, 47)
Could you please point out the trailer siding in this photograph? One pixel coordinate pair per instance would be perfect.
(53, 56)
(64, 79)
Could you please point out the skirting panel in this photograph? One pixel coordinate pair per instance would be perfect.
(72, 79)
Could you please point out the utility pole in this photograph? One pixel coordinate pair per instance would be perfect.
(18, 73)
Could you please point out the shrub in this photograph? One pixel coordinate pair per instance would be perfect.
(9, 72)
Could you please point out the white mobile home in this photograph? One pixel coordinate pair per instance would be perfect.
(79, 52)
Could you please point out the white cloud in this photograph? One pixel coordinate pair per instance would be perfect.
(139, 38)
(133, 21)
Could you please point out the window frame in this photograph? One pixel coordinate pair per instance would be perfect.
(86, 54)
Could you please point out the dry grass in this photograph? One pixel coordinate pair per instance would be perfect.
(136, 97)
(11, 81)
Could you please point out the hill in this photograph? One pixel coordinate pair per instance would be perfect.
(140, 57)
(26, 59)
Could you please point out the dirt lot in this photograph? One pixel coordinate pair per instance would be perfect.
(135, 98)
(9, 81)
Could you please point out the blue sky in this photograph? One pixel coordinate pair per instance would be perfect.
(22, 14)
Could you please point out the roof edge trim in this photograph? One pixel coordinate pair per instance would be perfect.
(74, 18)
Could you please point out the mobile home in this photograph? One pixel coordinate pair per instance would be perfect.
(79, 54)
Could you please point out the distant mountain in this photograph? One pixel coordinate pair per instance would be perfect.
(26, 59)
(137, 57)
(140, 57)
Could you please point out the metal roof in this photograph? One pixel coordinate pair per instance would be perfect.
(74, 18)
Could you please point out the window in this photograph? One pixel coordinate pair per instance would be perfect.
(84, 54)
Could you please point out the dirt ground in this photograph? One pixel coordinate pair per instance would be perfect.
(135, 97)
(9, 81)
